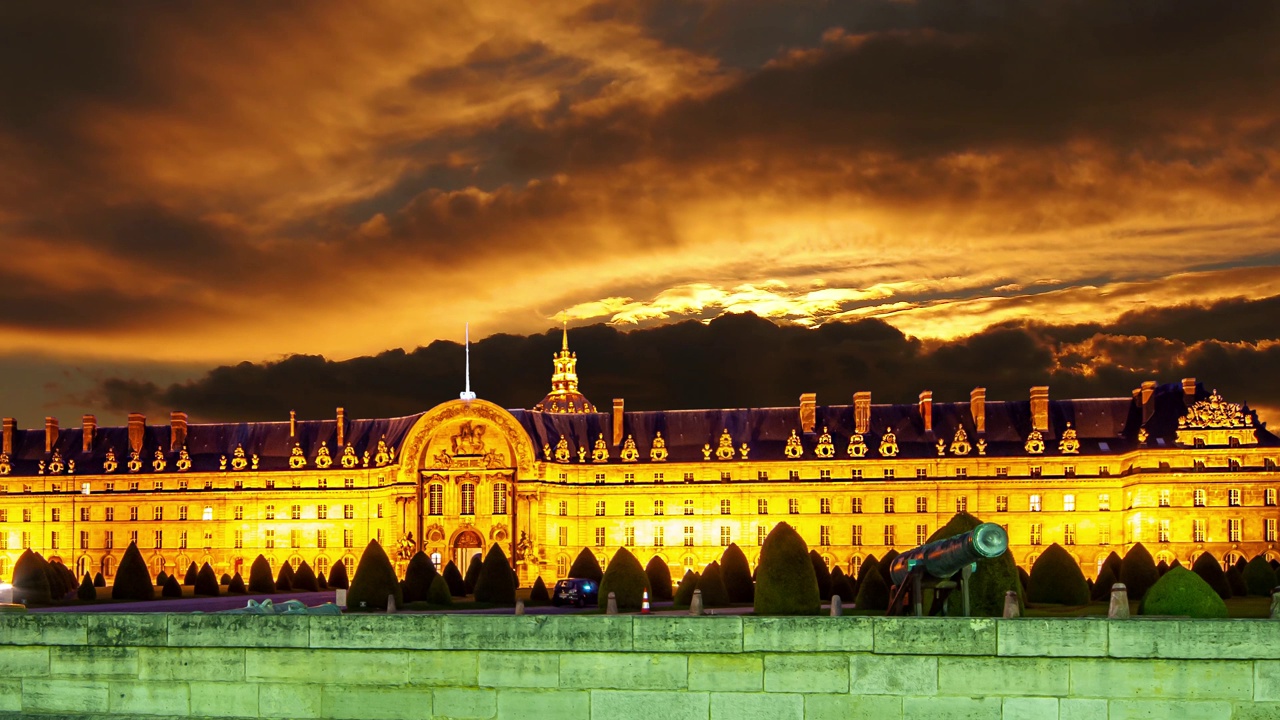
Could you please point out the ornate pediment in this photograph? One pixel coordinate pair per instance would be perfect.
(960, 443)
(1216, 422)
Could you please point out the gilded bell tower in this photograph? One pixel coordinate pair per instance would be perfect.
(565, 396)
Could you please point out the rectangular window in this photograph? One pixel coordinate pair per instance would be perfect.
(889, 536)
(725, 476)
(467, 499)
(26, 515)
(1233, 497)
(855, 506)
(762, 532)
(1104, 534)
(4, 515)
(657, 477)
(599, 537)
(1104, 470)
(793, 506)
(629, 478)
(1233, 530)
(159, 538)
(1269, 497)
(380, 504)
(599, 478)
(888, 473)
(238, 512)
(1197, 531)
(856, 539)
(562, 536)
(322, 483)
(688, 536)
(269, 539)
(1002, 472)
(922, 473)
(922, 504)
(109, 539)
(824, 474)
(1197, 498)
(688, 477)
(84, 540)
(157, 512)
(1036, 471)
(793, 474)
(295, 512)
(1104, 502)
(1269, 530)
(1164, 498)
(182, 540)
(295, 538)
(1037, 533)
(133, 536)
(922, 534)
(762, 506)
(1033, 503)
(109, 514)
(270, 512)
(55, 515)
(348, 538)
(499, 499)
(888, 504)
(84, 514)
(1068, 534)
(725, 507)
(824, 535)
(563, 508)
(26, 538)
(962, 472)
(599, 508)
(1069, 502)
(762, 474)
(725, 537)
(629, 508)
(157, 485)
(238, 484)
(349, 512)
(659, 507)
(271, 483)
(629, 536)
(348, 483)
(962, 504)
(1069, 470)
(824, 506)
(688, 506)
(856, 474)
(322, 539)
(1162, 533)
(659, 536)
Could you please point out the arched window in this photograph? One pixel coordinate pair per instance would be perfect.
(157, 564)
(4, 568)
(468, 499)
(322, 565)
(435, 499)
(295, 562)
(82, 566)
(855, 566)
(108, 566)
(499, 498)
(436, 558)
(350, 564)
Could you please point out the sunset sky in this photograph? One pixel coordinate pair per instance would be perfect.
(190, 185)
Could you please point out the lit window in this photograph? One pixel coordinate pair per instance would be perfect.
(962, 504)
(659, 507)
(888, 504)
(629, 537)
(1197, 531)
(1233, 497)
(468, 496)
(1269, 497)
(159, 538)
(824, 506)
(688, 536)
(855, 505)
(599, 537)
(562, 535)
(1069, 502)
(824, 474)
(322, 539)
(658, 536)
(270, 512)
(348, 512)
(762, 506)
(1104, 502)
(762, 532)
(922, 534)
(793, 506)
(109, 514)
(182, 540)
(26, 515)
(1197, 498)
(1233, 530)
(1162, 533)
(55, 515)
(629, 508)
(379, 510)
(1033, 503)
(109, 539)
(725, 507)
(724, 536)
(563, 508)
(269, 539)
(1269, 530)
(824, 535)
(53, 540)
(599, 508)
(922, 504)
(322, 563)
(295, 512)
(889, 538)
(499, 498)
(348, 538)
(1037, 533)
(688, 507)
(1104, 534)
(435, 500)
(84, 514)
(1068, 534)
(857, 536)
(157, 512)
(207, 513)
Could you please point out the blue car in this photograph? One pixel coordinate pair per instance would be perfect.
(576, 591)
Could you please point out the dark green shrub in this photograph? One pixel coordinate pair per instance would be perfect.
(99, 581)
(736, 573)
(864, 568)
(375, 580)
(1024, 579)
(1162, 567)
(711, 583)
(539, 595)
(473, 573)
(338, 576)
(1114, 562)
(30, 581)
(873, 594)
(321, 582)
(61, 581)
(225, 579)
(260, 576)
(304, 580)
(1175, 564)
(1056, 578)
(586, 566)
(457, 587)
(207, 582)
(87, 591)
(1235, 579)
(1240, 563)
(786, 583)
(496, 582)
(438, 593)
(132, 581)
(659, 574)
(885, 564)
(841, 586)
(418, 576)
(1275, 565)
(1182, 592)
(684, 591)
(236, 586)
(1207, 567)
(626, 580)
(172, 588)
(1138, 572)
(162, 578)
(821, 575)
(284, 578)
(995, 576)
(192, 573)
(1259, 578)
(1102, 587)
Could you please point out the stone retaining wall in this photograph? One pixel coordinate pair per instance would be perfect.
(660, 667)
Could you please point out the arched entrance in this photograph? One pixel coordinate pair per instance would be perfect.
(465, 545)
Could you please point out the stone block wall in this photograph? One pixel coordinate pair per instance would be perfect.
(672, 668)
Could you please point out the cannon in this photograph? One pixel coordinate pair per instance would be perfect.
(935, 566)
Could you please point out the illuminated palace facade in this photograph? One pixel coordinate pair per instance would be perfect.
(1173, 466)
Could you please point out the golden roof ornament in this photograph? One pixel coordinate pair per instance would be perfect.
(135, 462)
(1142, 436)
(384, 455)
(158, 463)
(565, 397)
(888, 443)
(546, 451)
(724, 451)
(562, 450)
(364, 459)
(323, 459)
(658, 451)
(253, 462)
(982, 446)
(600, 452)
(942, 447)
(1069, 444)
(825, 448)
(238, 461)
(1035, 443)
(40, 468)
(348, 459)
(297, 460)
(109, 463)
(184, 460)
(55, 463)
(582, 454)
(744, 450)
(857, 446)
(793, 448)
(960, 443)
(6, 467)
(71, 466)
(629, 452)
(706, 451)
(1216, 422)
(222, 463)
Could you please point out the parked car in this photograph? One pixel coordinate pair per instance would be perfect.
(576, 591)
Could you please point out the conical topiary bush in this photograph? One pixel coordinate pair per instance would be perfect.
(192, 573)
(236, 586)
(626, 580)
(99, 581)
(321, 582)
(873, 594)
(304, 580)
(659, 574)
(995, 576)
(338, 576)
(418, 577)
(496, 582)
(539, 595)
(225, 579)
(587, 567)
(284, 578)
(1056, 578)
(1138, 571)
(30, 581)
(374, 582)
(161, 578)
(172, 588)
(87, 591)
(1259, 578)
(841, 586)
(786, 583)
(260, 576)
(684, 591)
(1102, 587)
(1114, 562)
(453, 578)
(1183, 593)
(1235, 580)
(132, 581)
(473, 573)
(1162, 567)
(821, 574)
(1207, 567)
(207, 582)
(869, 563)
(885, 563)
(438, 593)
(61, 581)
(736, 573)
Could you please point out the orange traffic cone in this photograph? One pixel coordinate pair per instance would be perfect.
(644, 603)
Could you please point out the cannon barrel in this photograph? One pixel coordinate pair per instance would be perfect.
(944, 558)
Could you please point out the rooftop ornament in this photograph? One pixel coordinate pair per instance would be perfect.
(658, 451)
(981, 446)
(1216, 422)
(857, 446)
(562, 450)
(600, 452)
(55, 463)
(323, 459)
(960, 443)
(888, 444)
(825, 448)
(1069, 444)
(385, 454)
(793, 449)
(744, 450)
(238, 461)
(109, 464)
(629, 452)
(349, 459)
(158, 463)
(297, 460)
(725, 450)
(184, 460)
(5, 466)
(1035, 443)
(135, 462)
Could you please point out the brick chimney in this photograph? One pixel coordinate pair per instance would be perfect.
(342, 429)
(978, 408)
(1145, 394)
(137, 430)
(808, 411)
(1189, 390)
(89, 423)
(177, 430)
(926, 409)
(50, 433)
(1040, 408)
(10, 425)
(617, 421)
(862, 411)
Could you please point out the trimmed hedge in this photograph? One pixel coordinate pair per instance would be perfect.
(626, 580)
(1056, 578)
(884, 564)
(418, 577)
(284, 578)
(132, 581)
(736, 573)
(453, 578)
(305, 579)
(87, 590)
(225, 579)
(99, 581)
(539, 595)
(192, 573)
(841, 586)
(438, 593)
(473, 573)
(1209, 570)
(172, 588)
(375, 580)
(586, 566)
(321, 582)
(1162, 567)
(496, 582)
(684, 591)
(786, 583)
(1102, 586)
(659, 574)
(338, 576)
(873, 594)
(711, 583)
(61, 580)
(987, 586)
(1182, 592)
(1259, 578)
(162, 578)
(821, 574)
(1235, 579)
(1024, 578)
(30, 581)
(1138, 572)
(260, 576)
(236, 586)
(207, 582)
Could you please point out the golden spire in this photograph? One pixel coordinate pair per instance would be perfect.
(565, 396)
(564, 339)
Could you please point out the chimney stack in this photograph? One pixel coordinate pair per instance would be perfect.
(808, 411)
(137, 429)
(50, 433)
(90, 425)
(342, 422)
(1145, 393)
(1189, 389)
(10, 425)
(1040, 408)
(862, 412)
(617, 422)
(293, 424)
(926, 409)
(178, 430)
(978, 408)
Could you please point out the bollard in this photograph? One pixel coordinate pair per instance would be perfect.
(695, 605)
(837, 609)
(1275, 604)
(612, 608)
(1119, 609)
(391, 603)
(340, 598)
(519, 607)
(1011, 608)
